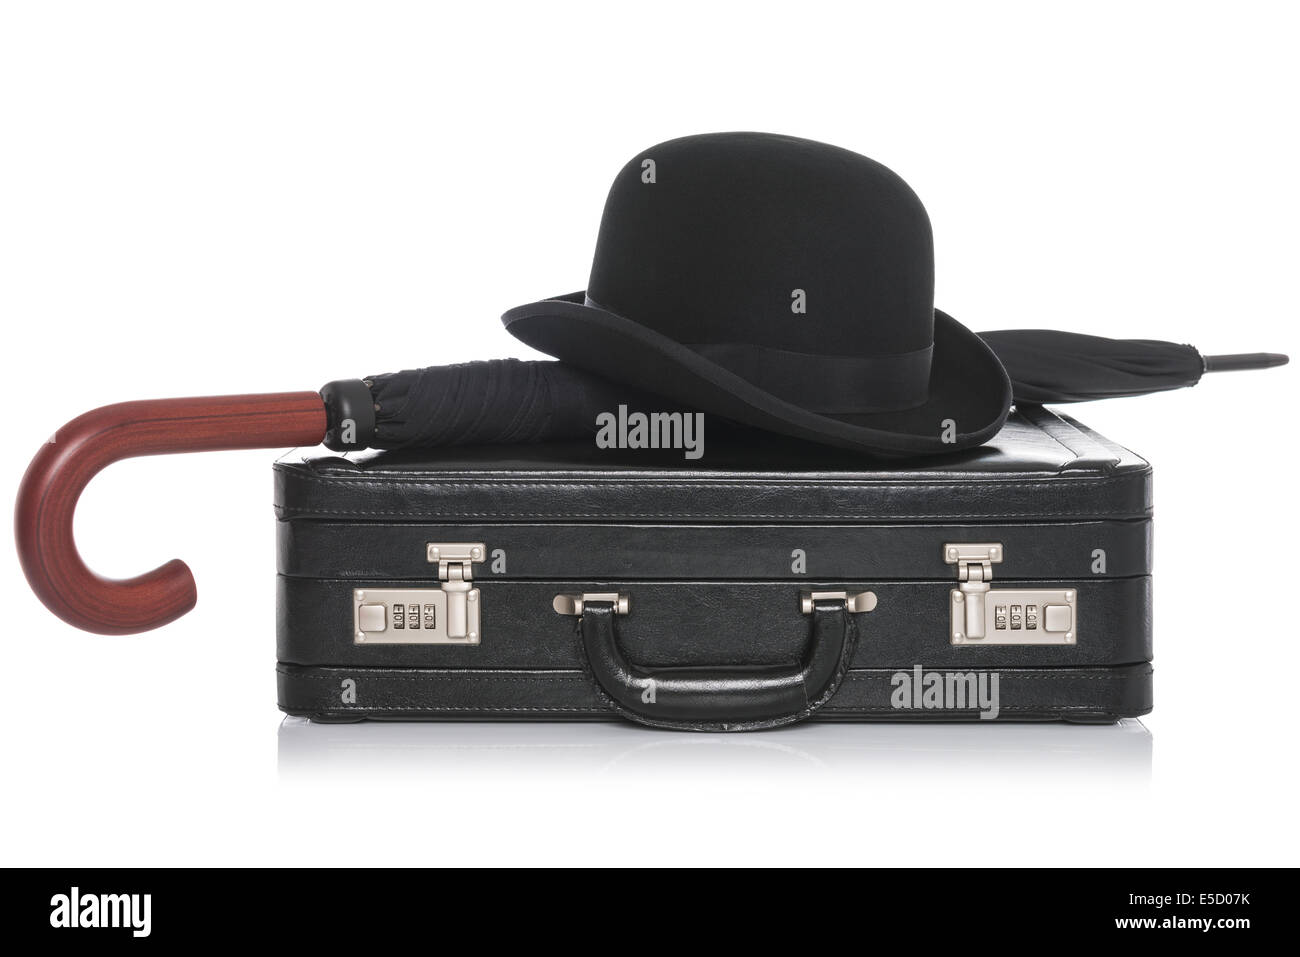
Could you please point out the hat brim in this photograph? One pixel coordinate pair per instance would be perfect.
(967, 382)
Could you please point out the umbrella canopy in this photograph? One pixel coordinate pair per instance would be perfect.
(494, 401)
(1050, 366)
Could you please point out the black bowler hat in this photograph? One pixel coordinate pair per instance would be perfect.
(781, 283)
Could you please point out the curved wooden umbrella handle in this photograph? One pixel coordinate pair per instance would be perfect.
(60, 471)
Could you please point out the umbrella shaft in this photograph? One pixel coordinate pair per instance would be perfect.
(1244, 361)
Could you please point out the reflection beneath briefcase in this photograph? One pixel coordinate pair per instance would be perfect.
(434, 750)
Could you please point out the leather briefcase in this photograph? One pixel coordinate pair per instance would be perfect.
(768, 582)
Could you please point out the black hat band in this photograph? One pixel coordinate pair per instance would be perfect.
(821, 382)
(830, 384)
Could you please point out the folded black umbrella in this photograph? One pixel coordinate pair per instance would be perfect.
(1050, 366)
(495, 401)
(511, 400)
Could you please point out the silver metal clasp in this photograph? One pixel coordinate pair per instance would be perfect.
(855, 602)
(982, 614)
(455, 563)
(974, 571)
(447, 615)
(573, 604)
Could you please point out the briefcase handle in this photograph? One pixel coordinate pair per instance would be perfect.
(47, 497)
(724, 699)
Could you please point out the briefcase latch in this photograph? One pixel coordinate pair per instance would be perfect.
(984, 615)
(447, 615)
(455, 563)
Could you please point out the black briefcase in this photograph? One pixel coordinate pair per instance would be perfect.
(766, 583)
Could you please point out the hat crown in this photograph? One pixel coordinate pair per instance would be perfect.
(770, 241)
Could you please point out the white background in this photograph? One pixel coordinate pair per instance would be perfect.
(247, 197)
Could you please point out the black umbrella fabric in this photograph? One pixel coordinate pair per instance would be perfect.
(1050, 366)
(504, 401)
(490, 402)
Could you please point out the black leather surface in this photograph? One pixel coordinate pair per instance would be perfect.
(711, 624)
(1027, 694)
(587, 550)
(705, 552)
(1041, 467)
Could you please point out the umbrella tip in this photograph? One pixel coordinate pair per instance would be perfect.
(1245, 361)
